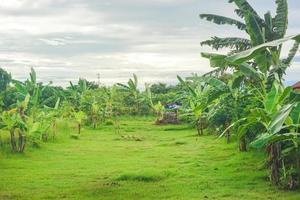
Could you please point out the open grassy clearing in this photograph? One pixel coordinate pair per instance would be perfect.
(169, 163)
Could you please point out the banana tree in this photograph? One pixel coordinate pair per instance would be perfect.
(277, 125)
(132, 89)
(11, 121)
(158, 108)
(276, 105)
(14, 121)
(260, 30)
(197, 102)
(79, 117)
(95, 112)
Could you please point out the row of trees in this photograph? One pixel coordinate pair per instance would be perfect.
(245, 95)
(30, 110)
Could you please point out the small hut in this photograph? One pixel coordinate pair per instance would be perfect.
(296, 87)
(171, 113)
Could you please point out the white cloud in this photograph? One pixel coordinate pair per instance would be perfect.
(157, 39)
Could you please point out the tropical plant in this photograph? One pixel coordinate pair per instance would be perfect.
(158, 108)
(132, 89)
(260, 30)
(79, 117)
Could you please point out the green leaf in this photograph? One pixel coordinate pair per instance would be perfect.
(254, 29)
(216, 83)
(292, 53)
(249, 71)
(220, 20)
(285, 94)
(244, 6)
(266, 139)
(271, 99)
(295, 114)
(237, 81)
(216, 60)
(239, 44)
(242, 130)
(251, 53)
(281, 18)
(279, 119)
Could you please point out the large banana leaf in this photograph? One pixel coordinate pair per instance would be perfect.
(217, 19)
(216, 60)
(279, 119)
(295, 114)
(216, 83)
(190, 89)
(292, 53)
(281, 18)
(243, 5)
(266, 139)
(253, 52)
(238, 44)
(249, 71)
(272, 98)
(254, 30)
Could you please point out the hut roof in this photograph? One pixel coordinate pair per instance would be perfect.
(296, 86)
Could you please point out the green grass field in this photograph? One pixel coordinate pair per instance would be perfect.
(169, 162)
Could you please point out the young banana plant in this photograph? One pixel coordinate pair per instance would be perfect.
(158, 108)
(79, 117)
(132, 89)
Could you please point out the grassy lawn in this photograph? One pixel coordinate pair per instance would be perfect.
(169, 162)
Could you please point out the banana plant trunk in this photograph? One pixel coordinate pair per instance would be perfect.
(227, 124)
(22, 142)
(13, 140)
(243, 144)
(199, 127)
(274, 155)
(79, 128)
(54, 126)
(94, 124)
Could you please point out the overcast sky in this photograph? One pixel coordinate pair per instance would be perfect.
(156, 39)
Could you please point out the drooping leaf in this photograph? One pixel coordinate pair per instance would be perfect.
(292, 53)
(216, 83)
(285, 94)
(216, 60)
(279, 119)
(249, 71)
(243, 5)
(251, 53)
(266, 139)
(239, 44)
(220, 20)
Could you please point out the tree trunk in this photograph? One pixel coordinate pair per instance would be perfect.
(54, 130)
(79, 128)
(95, 125)
(243, 145)
(227, 133)
(22, 142)
(13, 140)
(199, 128)
(274, 154)
(45, 137)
